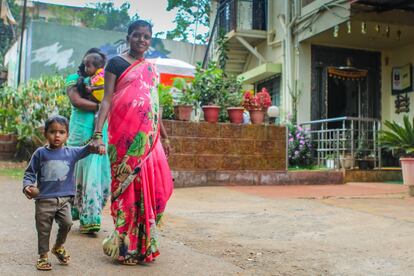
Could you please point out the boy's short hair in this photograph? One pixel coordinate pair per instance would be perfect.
(97, 60)
(57, 119)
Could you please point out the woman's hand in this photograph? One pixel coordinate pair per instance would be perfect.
(98, 146)
(167, 148)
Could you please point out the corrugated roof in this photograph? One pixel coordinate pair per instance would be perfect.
(68, 3)
(386, 5)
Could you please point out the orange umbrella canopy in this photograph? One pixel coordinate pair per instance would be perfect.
(173, 68)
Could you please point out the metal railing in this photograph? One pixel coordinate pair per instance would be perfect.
(345, 137)
(236, 15)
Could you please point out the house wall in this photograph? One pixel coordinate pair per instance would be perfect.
(396, 58)
(303, 67)
(52, 48)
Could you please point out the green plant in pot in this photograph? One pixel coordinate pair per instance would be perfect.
(166, 101)
(331, 160)
(232, 99)
(185, 99)
(207, 88)
(363, 155)
(400, 139)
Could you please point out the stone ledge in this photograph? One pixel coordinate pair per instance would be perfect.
(252, 177)
(373, 175)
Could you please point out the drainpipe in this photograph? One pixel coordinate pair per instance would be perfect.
(291, 14)
(288, 56)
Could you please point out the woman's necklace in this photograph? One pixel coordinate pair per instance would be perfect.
(134, 56)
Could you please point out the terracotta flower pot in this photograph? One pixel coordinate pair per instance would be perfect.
(407, 165)
(257, 116)
(183, 112)
(235, 114)
(8, 146)
(211, 113)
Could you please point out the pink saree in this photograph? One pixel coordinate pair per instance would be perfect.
(133, 130)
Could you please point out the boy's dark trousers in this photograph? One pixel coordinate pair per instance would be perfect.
(47, 210)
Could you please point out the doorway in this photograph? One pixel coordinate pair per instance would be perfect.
(346, 93)
(336, 95)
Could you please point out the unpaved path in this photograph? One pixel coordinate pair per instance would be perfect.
(232, 231)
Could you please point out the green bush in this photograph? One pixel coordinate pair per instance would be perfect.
(24, 110)
(166, 101)
(212, 87)
(398, 137)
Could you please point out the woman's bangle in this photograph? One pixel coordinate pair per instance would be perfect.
(97, 135)
(167, 141)
(97, 106)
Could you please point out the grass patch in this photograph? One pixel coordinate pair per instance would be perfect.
(12, 172)
(396, 182)
(308, 168)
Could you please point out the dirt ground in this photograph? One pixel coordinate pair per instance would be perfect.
(358, 229)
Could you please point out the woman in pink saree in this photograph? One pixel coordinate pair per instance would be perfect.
(141, 178)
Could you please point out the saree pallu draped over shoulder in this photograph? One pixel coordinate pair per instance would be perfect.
(134, 142)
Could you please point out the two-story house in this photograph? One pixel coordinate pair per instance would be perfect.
(344, 58)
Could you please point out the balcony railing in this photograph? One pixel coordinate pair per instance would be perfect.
(237, 16)
(345, 136)
(307, 2)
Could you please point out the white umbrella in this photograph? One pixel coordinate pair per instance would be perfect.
(173, 67)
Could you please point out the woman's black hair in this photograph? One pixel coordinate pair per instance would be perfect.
(139, 23)
(56, 119)
(80, 85)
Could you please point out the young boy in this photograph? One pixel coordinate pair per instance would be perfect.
(52, 168)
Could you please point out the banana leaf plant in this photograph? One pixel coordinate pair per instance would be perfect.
(398, 137)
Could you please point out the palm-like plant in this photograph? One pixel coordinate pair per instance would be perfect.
(398, 137)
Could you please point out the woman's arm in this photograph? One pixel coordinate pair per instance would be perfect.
(166, 142)
(109, 87)
(79, 102)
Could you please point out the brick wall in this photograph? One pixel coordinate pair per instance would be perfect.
(224, 154)
(226, 147)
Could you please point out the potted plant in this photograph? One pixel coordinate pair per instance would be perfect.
(184, 99)
(257, 105)
(400, 139)
(331, 161)
(363, 157)
(235, 111)
(166, 101)
(207, 88)
(232, 101)
(346, 161)
(364, 160)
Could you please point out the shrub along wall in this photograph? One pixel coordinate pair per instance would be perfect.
(225, 153)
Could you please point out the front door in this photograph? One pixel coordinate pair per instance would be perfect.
(352, 96)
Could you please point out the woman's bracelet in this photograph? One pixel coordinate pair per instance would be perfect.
(97, 135)
(97, 106)
(167, 141)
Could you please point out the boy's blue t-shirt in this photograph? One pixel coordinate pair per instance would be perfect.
(53, 170)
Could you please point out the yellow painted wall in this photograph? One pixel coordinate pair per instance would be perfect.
(303, 75)
(396, 57)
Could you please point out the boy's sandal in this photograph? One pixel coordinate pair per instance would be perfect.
(43, 264)
(61, 255)
(129, 261)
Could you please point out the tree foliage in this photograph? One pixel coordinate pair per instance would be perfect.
(190, 15)
(8, 33)
(106, 17)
